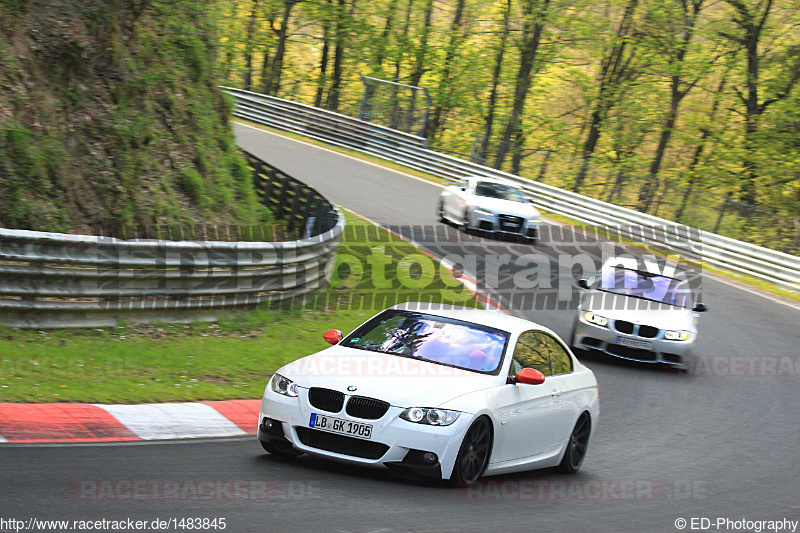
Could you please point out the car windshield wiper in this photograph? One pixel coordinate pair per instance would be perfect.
(641, 298)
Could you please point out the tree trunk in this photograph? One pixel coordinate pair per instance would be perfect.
(445, 92)
(338, 58)
(498, 68)
(678, 90)
(699, 149)
(394, 111)
(614, 70)
(323, 62)
(273, 81)
(248, 47)
(535, 17)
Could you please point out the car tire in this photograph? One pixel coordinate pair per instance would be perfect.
(576, 445)
(474, 453)
(284, 453)
(441, 212)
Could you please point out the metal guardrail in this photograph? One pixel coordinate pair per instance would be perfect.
(59, 280)
(776, 267)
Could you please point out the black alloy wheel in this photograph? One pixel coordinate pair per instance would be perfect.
(577, 445)
(473, 456)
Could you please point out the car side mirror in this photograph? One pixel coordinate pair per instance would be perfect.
(700, 308)
(583, 284)
(529, 376)
(332, 336)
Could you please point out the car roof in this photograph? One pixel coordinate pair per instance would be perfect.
(492, 180)
(495, 319)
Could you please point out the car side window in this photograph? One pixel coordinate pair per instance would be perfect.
(536, 349)
(532, 351)
(560, 361)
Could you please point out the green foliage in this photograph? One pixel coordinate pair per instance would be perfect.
(126, 123)
(192, 183)
(14, 7)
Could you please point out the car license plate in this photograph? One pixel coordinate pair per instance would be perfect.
(338, 425)
(633, 343)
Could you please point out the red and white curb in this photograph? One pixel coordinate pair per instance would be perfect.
(75, 422)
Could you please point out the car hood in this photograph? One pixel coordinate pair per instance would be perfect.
(619, 307)
(506, 207)
(401, 381)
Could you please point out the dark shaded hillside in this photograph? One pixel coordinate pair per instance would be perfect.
(110, 115)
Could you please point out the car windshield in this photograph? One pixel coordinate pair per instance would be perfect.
(646, 285)
(432, 338)
(499, 190)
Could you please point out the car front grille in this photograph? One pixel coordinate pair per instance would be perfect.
(631, 353)
(510, 223)
(341, 444)
(326, 399)
(648, 332)
(367, 408)
(623, 326)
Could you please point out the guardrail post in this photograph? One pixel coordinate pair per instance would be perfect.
(256, 177)
(269, 187)
(307, 208)
(295, 202)
(281, 209)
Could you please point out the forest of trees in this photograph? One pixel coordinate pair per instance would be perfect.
(685, 109)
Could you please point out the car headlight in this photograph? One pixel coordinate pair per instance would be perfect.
(597, 320)
(283, 385)
(677, 335)
(432, 417)
(481, 211)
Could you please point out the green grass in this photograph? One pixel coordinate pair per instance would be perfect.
(229, 359)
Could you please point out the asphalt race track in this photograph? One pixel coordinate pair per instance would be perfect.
(719, 442)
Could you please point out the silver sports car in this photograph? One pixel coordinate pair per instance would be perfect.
(489, 205)
(638, 315)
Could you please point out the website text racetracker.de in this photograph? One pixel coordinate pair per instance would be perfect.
(103, 524)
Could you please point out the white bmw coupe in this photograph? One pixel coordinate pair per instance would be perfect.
(433, 391)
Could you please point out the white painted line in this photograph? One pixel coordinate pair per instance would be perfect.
(173, 420)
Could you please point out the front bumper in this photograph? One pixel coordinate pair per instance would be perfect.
(608, 340)
(505, 224)
(395, 443)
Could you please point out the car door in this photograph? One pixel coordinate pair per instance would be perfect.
(565, 389)
(528, 415)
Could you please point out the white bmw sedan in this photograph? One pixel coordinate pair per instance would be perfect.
(441, 392)
(489, 205)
